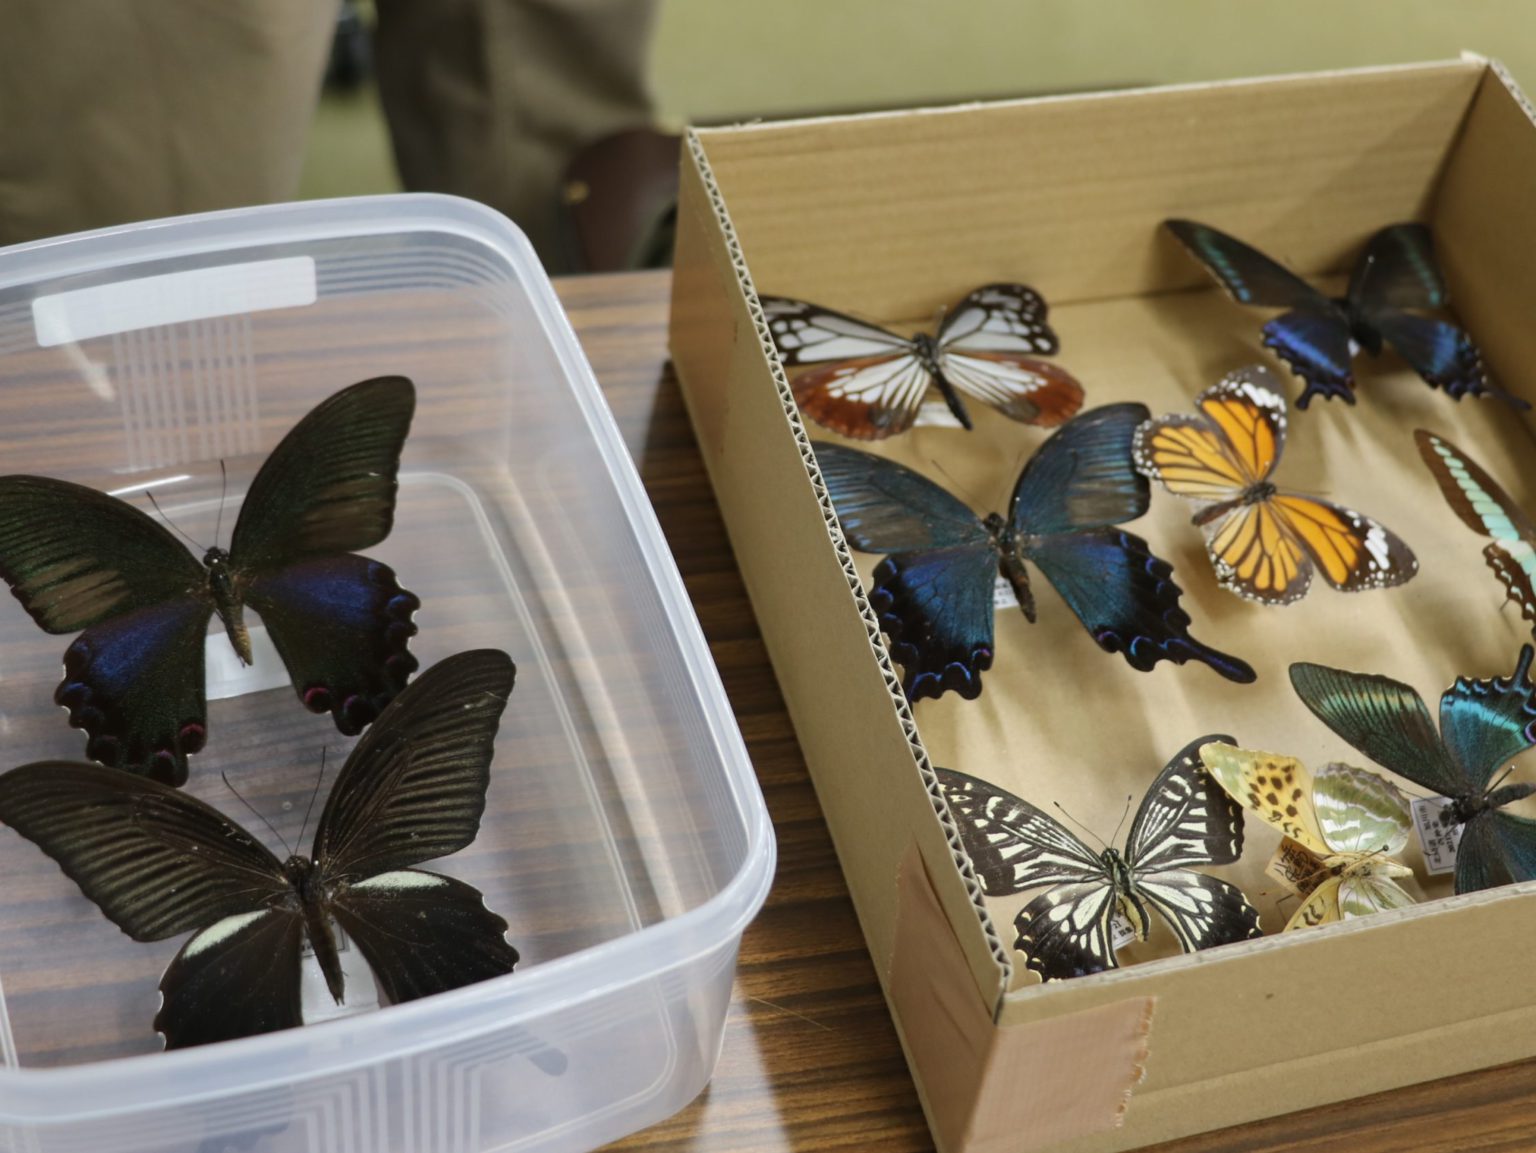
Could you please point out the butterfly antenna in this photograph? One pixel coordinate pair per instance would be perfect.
(219, 524)
(955, 484)
(1115, 838)
(1079, 824)
(252, 809)
(1502, 778)
(315, 792)
(173, 525)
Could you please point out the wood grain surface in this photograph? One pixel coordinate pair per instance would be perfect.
(810, 1059)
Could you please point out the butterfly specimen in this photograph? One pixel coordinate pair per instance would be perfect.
(1184, 820)
(1343, 827)
(864, 382)
(159, 863)
(933, 593)
(1483, 726)
(79, 559)
(1486, 508)
(1319, 336)
(1263, 542)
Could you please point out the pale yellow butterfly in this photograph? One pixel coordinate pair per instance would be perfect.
(1343, 828)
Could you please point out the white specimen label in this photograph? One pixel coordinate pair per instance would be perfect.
(1437, 839)
(935, 414)
(1121, 931)
(1003, 596)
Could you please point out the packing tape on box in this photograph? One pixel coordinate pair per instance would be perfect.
(1003, 1090)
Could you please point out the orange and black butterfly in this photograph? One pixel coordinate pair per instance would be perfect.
(1264, 542)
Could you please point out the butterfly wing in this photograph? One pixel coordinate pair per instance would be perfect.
(414, 786)
(854, 378)
(1275, 788)
(1083, 476)
(1012, 845)
(329, 486)
(79, 559)
(1360, 812)
(989, 347)
(155, 861)
(1245, 272)
(1385, 719)
(1064, 932)
(1352, 551)
(239, 977)
(1397, 270)
(1485, 508)
(1442, 354)
(1125, 596)
(341, 623)
(1485, 724)
(1317, 344)
(1496, 848)
(934, 593)
(422, 933)
(1201, 910)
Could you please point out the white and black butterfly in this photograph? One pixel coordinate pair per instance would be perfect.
(867, 383)
(159, 863)
(1186, 819)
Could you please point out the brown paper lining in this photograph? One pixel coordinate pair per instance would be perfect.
(994, 1090)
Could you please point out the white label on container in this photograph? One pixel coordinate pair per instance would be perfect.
(151, 301)
(227, 677)
(1438, 839)
(935, 414)
(1121, 931)
(1003, 596)
(360, 994)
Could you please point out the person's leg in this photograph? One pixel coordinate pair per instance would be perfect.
(490, 99)
(121, 110)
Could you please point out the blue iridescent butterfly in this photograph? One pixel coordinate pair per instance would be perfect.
(1483, 726)
(79, 559)
(933, 592)
(1319, 336)
(1486, 508)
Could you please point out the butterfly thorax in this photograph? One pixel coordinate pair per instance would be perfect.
(1010, 561)
(313, 901)
(1126, 895)
(926, 349)
(227, 602)
(1253, 494)
(1362, 334)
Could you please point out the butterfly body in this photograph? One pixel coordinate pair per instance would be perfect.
(1394, 279)
(160, 863)
(1264, 542)
(865, 382)
(933, 590)
(1185, 820)
(1484, 725)
(81, 561)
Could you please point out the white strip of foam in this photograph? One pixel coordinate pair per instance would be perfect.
(151, 301)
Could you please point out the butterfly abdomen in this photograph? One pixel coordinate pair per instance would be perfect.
(313, 902)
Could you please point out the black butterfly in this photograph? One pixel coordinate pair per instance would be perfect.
(933, 593)
(159, 863)
(133, 680)
(864, 382)
(1483, 726)
(1186, 819)
(1319, 336)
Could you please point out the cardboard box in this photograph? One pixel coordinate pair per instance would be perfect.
(895, 216)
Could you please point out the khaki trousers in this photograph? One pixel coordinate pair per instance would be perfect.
(121, 110)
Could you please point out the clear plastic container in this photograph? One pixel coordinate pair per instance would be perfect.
(625, 840)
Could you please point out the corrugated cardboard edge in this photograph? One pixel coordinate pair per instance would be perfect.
(710, 415)
(1015, 1090)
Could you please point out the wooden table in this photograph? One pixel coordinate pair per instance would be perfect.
(810, 1060)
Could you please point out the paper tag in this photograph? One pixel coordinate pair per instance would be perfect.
(1003, 596)
(935, 414)
(1121, 931)
(361, 992)
(1295, 866)
(1438, 839)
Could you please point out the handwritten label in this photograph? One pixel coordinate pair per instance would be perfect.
(1121, 931)
(1437, 838)
(1295, 866)
(1002, 594)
